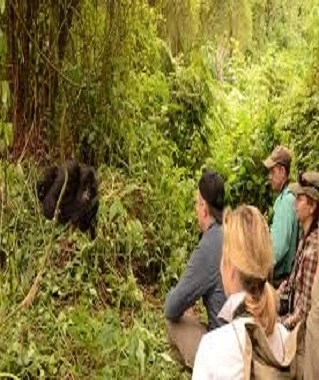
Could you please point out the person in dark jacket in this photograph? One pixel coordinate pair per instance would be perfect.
(201, 278)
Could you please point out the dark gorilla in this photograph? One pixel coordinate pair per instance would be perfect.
(79, 203)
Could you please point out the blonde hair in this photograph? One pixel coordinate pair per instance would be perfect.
(247, 245)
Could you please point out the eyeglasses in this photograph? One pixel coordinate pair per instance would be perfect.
(303, 182)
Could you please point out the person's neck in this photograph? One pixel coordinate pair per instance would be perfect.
(283, 185)
(207, 223)
(235, 287)
(306, 225)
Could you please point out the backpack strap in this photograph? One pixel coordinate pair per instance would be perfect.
(247, 353)
(259, 360)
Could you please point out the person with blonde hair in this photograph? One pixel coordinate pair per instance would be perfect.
(247, 260)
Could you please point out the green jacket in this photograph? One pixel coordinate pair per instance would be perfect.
(285, 233)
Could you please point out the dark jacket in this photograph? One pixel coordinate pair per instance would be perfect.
(201, 279)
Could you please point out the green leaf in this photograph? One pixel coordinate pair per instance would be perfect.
(140, 355)
(4, 91)
(250, 185)
(2, 6)
(116, 209)
(166, 357)
(3, 46)
(2, 147)
(242, 170)
(8, 133)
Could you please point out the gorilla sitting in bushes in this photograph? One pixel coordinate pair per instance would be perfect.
(79, 203)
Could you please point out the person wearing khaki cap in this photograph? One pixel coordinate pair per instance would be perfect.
(284, 228)
(299, 285)
(307, 191)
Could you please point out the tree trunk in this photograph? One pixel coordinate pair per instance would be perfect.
(37, 35)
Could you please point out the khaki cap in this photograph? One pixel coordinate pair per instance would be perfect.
(280, 155)
(308, 184)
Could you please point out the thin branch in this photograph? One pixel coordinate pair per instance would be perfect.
(8, 376)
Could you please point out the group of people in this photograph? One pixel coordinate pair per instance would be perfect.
(246, 272)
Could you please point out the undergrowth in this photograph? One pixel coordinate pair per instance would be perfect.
(95, 314)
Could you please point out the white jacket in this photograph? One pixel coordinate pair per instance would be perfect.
(219, 355)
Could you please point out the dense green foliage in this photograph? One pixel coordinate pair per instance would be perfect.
(150, 93)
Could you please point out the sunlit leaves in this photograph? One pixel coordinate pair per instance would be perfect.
(2, 6)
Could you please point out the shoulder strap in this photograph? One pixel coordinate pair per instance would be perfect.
(247, 353)
(258, 337)
(259, 360)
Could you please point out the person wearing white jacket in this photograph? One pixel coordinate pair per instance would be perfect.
(247, 260)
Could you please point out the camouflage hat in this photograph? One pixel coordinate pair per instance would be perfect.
(308, 184)
(280, 155)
